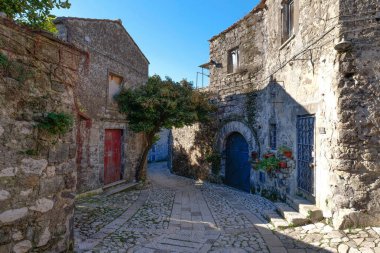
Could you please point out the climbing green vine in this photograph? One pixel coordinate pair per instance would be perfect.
(14, 69)
(56, 123)
(251, 107)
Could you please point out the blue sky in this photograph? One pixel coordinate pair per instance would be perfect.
(173, 34)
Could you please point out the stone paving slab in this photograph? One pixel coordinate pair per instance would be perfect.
(175, 214)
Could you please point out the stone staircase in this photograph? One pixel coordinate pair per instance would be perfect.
(296, 212)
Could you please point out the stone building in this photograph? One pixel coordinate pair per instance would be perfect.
(108, 151)
(38, 75)
(160, 150)
(302, 74)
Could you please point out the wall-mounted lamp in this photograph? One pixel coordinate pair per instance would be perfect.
(210, 63)
(343, 45)
(217, 65)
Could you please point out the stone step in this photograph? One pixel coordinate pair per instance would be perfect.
(275, 219)
(111, 185)
(119, 188)
(305, 208)
(292, 216)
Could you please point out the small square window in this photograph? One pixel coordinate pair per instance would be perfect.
(287, 20)
(233, 60)
(273, 136)
(114, 86)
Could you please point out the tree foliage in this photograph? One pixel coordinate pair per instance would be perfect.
(35, 13)
(162, 103)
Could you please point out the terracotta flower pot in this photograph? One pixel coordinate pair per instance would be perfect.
(268, 155)
(254, 155)
(288, 154)
(282, 165)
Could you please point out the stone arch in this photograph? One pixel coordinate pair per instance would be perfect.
(239, 127)
(235, 127)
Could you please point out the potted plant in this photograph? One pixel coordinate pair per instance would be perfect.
(254, 155)
(269, 164)
(286, 151)
(282, 165)
(268, 155)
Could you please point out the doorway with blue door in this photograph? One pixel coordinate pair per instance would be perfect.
(238, 168)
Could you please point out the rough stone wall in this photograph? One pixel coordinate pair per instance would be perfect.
(304, 70)
(37, 171)
(190, 147)
(184, 139)
(356, 179)
(231, 87)
(289, 79)
(306, 76)
(161, 148)
(110, 50)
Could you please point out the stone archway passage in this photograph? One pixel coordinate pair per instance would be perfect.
(235, 127)
(241, 128)
(238, 167)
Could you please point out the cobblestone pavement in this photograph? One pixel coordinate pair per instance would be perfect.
(175, 214)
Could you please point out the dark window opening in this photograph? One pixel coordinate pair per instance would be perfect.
(114, 87)
(287, 20)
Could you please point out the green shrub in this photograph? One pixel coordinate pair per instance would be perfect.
(268, 164)
(215, 160)
(56, 123)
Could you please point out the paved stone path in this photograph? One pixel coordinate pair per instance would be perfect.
(175, 214)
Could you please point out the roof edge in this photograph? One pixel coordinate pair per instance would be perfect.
(257, 8)
(117, 21)
(35, 31)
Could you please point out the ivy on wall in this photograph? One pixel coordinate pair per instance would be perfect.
(56, 123)
(251, 107)
(14, 69)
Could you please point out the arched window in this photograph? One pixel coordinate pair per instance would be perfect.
(233, 60)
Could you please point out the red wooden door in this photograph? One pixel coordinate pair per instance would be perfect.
(112, 156)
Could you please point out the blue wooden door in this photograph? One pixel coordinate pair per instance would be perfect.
(238, 167)
(305, 150)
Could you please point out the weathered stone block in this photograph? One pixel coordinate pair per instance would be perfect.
(8, 172)
(59, 87)
(32, 166)
(44, 237)
(13, 215)
(26, 192)
(59, 154)
(17, 236)
(43, 205)
(50, 171)
(22, 247)
(69, 59)
(50, 186)
(30, 181)
(4, 195)
(47, 52)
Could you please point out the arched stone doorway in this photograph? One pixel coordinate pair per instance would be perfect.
(238, 168)
(229, 130)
